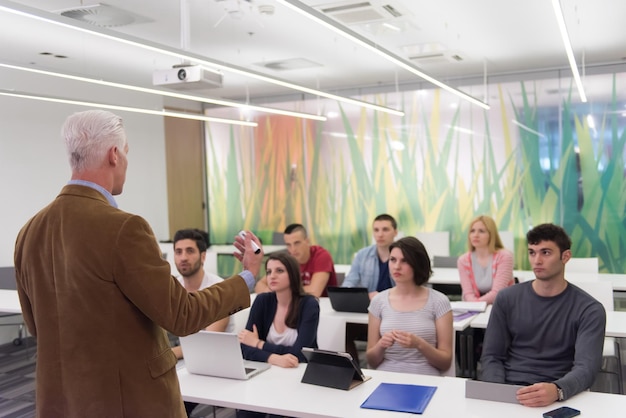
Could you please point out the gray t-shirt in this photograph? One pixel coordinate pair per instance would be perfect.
(532, 339)
(420, 322)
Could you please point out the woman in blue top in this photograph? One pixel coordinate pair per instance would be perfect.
(282, 321)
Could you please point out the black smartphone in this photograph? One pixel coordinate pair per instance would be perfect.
(562, 412)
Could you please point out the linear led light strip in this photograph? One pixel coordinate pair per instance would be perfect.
(37, 14)
(165, 93)
(349, 34)
(125, 108)
(568, 49)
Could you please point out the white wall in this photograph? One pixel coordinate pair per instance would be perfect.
(34, 168)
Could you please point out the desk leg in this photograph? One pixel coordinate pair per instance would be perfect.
(462, 341)
(471, 370)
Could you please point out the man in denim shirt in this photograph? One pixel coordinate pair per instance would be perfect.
(370, 269)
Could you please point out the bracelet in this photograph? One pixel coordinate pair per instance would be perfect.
(257, 344)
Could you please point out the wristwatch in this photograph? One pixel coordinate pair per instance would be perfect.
(559, 393)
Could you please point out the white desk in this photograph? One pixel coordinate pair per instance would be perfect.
(617, 280)
(10, 302)
(331, 331)
(445, 275)
(230, 249)
(451, 276)
(279, 391)
(615, 322)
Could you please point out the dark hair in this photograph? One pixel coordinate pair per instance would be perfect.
(385, 217)
(295, 228)
(416, 256)
(199, 236)
(295, 285)
(549, 232)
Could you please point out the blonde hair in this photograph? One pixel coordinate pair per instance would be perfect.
(495, 243)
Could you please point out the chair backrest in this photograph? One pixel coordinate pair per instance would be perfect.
(278, 238)
(240, 318)
(601, 291)
(443, 261)
(452, 370)
(508, 240)
(436, 242)
(167, 252)
(7, 278)
(343, 268)
(582, 265)
(340, 278)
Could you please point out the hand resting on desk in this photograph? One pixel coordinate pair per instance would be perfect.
(251, 338)
(539, 394)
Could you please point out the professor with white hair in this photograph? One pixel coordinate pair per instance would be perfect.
(97, 296)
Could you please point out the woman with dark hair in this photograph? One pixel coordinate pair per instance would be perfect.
(487, 267)
(282, 321)
(410, 325)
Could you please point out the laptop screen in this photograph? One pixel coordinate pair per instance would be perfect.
(217, 354)
(349, 299)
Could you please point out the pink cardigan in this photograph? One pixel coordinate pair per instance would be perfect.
(501, 270)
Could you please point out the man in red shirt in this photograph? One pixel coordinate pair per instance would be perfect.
(316, 264)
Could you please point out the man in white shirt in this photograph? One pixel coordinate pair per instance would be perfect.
(190, 247)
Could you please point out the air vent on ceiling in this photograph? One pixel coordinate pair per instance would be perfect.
(356, 12)
(103, 15)
(289, 64)
(436, 58)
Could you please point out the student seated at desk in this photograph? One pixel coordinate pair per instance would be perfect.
(317, 269)
(370, 269)
(190, 247)
(484, 270)
(487, 267)
(546, 333)
(282, 321)
(410, 325)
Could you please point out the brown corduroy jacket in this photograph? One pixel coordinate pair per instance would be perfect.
(97, 296)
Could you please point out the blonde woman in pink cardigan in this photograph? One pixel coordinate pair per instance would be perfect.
(487, 267)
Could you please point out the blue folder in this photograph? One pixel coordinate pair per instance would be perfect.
(400, 398)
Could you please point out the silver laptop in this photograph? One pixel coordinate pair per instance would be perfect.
(218, 354)
(489, 391)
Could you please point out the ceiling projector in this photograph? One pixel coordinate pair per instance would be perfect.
(187, 77)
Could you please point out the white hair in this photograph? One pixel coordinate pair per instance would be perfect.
(89, 135)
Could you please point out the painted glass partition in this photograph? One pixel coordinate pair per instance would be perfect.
(538, 155)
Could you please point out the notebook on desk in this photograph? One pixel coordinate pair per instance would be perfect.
(218, 354)
(349, 299)
(400, 398)
(489, 391)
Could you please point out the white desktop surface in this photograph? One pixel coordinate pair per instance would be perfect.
(331, 331)
(615, 322)
(230, 249)
(10, 301)
(617, 280)
(443, 275)
(279, 391)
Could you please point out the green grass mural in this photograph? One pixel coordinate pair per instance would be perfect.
(435, 169)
